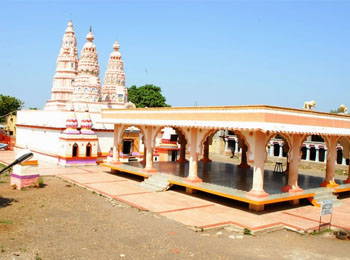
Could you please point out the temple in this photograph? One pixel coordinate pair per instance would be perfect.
(68, 125)
(86, 123)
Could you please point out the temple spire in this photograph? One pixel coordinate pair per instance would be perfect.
(87, 86)
(114, 90)
(66, 70)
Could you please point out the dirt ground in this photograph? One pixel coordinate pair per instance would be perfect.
(64, 221)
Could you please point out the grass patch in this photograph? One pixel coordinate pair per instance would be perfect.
(6, 222)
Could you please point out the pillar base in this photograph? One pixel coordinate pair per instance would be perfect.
(290, 189)
(244, 165)
(258, 193)
(256, 207)
(205, 160)
(346, 181)
(329, 184)
(182, 160)
(150, 170)
(193, 180)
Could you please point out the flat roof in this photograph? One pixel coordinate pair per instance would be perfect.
(252, 118)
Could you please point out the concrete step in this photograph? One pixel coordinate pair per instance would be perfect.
(149, 186)
(156, 182)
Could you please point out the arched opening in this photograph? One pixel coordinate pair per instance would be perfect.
(88, 150)
(75, 150)
(131, 147)
(170, 145)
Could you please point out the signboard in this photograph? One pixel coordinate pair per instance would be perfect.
(326, 207)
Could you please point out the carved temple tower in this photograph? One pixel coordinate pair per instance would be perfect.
(87, 85)
(66, 71)
(114, 90)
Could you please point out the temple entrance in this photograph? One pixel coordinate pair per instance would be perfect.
(173, 156)
(75, 150)
(127, 144)
(88, 150)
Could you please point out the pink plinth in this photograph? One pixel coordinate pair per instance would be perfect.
(346, 181)
(21, 183)
(195, 180)
(290, 189)
(258, 193)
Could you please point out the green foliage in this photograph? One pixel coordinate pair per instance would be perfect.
(9, 104)
(246, 231)
(335, 111)
(8, 222)
(147, 96)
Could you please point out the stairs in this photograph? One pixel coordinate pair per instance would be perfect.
(156, 182)
(324, 194)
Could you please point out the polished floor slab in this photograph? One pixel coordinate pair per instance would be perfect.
(231, 176)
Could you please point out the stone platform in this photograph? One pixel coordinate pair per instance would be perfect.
(230, 181)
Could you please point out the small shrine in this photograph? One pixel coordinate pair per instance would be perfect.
(78, 147)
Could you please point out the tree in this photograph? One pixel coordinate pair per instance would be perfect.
(9, 104)
(146, 96)
(335, 111)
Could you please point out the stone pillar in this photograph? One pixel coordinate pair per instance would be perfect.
(317, 157)
(330, 167)
(149, 151)
(258, 175)
(206, 151)
(295, 158)
(144, 155)
(272, 150)
(348, 179)
(193, 167)
(325, 155)
(236, 146)
(307, 154)
(182, 149)
(244, 163)
(343, 162)
(280, 154)
(116, 143)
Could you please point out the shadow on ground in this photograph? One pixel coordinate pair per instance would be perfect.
(4, 202)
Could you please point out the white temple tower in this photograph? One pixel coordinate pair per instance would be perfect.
(114, 90)
(66, 71)
(87, 85)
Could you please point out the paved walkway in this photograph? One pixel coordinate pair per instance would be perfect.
(196, 210)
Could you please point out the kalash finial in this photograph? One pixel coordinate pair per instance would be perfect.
(116, 45)
(90, 36)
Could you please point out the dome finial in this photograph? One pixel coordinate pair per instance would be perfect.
(116, 45)
(90, 36)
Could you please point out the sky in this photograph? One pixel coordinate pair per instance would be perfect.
(203, 53)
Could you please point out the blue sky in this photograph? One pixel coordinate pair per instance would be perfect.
(205, 52)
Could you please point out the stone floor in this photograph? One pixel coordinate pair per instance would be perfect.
(197, 210)
(231, 176)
